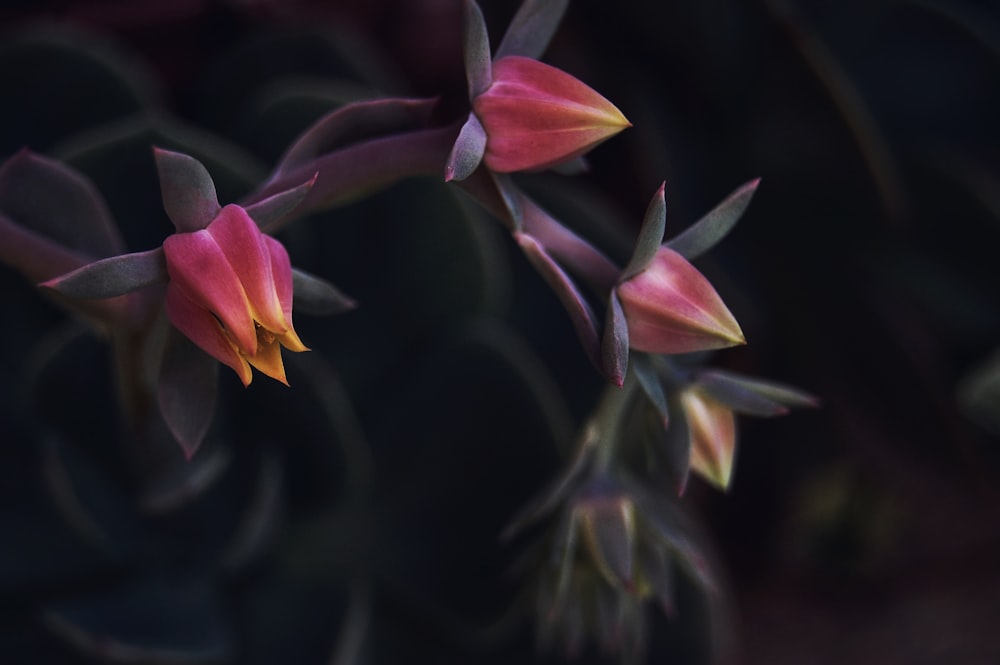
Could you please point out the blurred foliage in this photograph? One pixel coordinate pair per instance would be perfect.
(316, 527)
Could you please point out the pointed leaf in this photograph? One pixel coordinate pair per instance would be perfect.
(34, 255)
(753, 396)
(271, 214)
(531, 29)
(467, 153)
(186, 392)
(114, 276)
(579, 311)
(317, 296)
(650, 235)
(188, 190)
(644, 370)
(58, 202)
(614, 345)
(713, 227)
(354, 123)
(478, 64)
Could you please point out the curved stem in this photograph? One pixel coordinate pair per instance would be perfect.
(611, 411)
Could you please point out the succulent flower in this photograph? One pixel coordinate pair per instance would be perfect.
(526, 115)
(230, 292)
(712, 433)
(671, 308)
(536, 116)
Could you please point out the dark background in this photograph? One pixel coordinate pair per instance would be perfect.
(865, 271)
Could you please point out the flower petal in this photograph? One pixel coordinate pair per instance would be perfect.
(268, 360)
(713, 436)
(281, 272)
(203, 329)
(536, 116)
(672, 308)
(199, 267)
(247, 250)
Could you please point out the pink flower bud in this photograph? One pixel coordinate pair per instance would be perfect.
(671, 308)
(230, 292)
(713, 436)
(536, 116)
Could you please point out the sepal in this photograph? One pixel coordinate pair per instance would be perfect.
(467, 153)
(188, 190)
(753, 397)
(113, 276)
(532, 28)
(186, 391)
(650, 235)
(713, 227)
(478, 63)
(272, 213)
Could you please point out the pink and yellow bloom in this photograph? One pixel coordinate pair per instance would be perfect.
(712, 427)
(536, 116)
(672, 308)
(230, 292)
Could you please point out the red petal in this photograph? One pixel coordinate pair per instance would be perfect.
(246, 249)
(203, 329)
(198, 266)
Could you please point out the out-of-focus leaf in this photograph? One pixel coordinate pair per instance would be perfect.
(531, 29)
(117, 157)
(185, 482)
(188, 190)
(261, 516)
(354, 123)
(576, 305)
(614, 345)
(713, 227)
(478, 64)
(56, 201)
(650, 235)
(752, 396)
(186, 391)
(646, 373)
(114, 276)
(66, 81)
(153, 620)
(91, 505)
(979, 394)
(467, 152)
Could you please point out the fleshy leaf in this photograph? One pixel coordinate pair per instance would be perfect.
(614, 345)
(317, 296)
(188, 190)
(642, 365)
(531, 29)
(58, 202)
(752, 396)
(713, 227)
(650, 235)
(271, 214)
(186, 391)
(579, 311)
(478, 64)
(354, 123)
(114, 276)
(467, 153)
